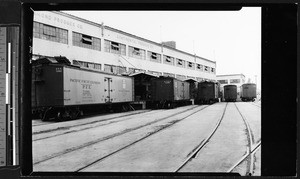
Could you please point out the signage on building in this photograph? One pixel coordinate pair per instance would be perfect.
(60, 20)
(133, 41)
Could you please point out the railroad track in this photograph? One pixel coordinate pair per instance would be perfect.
(95, 123)
(90, 116)
(246, 156)
(148, 135)
(194, 153)
(122, 133)
(255, 105)
(250, 147)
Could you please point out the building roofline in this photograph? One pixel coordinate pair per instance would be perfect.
(231, 75)
(77, 18)
(126, 33)
(155, 43)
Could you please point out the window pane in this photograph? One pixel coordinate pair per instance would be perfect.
(235, 81)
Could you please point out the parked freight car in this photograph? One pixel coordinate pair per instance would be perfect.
(193, 88)
(208, 92)
(230, 93)
(168, 92)
(248, 92)
(61, 90)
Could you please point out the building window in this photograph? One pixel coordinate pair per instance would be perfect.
(51, 33)
(114, 69)
(114, 47)
(168, 74)
(213, 70)
(90, 65)
(223, 81)
(235, 80)
(154, 57)
(110, 68)
(168, 60)
(199, 67)
(121, 70)
(86, 41)
(206, 69)
(190, 65)
(136, 52)
(97, 66)
(180, 63)
(49, 30)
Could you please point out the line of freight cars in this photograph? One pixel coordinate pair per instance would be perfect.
(64, 91)
(168, 92)
(247, 92)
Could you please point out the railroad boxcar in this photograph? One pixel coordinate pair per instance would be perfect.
(208, 92)
(230, 93)
(60, 90)
(168, 92)
(248, 92)
(193, 88)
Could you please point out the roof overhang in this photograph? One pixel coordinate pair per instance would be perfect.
(143, 73)
(191, 80)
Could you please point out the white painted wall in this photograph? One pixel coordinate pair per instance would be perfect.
(74, 24)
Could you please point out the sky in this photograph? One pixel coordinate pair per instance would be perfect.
(231, 38)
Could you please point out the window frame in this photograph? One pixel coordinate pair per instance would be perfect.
(232, 81)
(157, 58)
(136, 52)
(114, 47)
(168, 60)
(42, 31)
(86, 41)
(190, 67)
(223, 81)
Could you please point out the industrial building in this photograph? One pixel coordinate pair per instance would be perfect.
(104, 48)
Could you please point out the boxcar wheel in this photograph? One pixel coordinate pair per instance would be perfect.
(46, 115)
(59, 116)
(73, 115)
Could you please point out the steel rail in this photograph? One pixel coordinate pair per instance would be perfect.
(202, 144)
(245, 156)
(250, 138)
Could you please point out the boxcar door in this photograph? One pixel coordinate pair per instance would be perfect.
(107, 89)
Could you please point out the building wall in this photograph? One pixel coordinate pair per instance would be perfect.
(72, 24)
